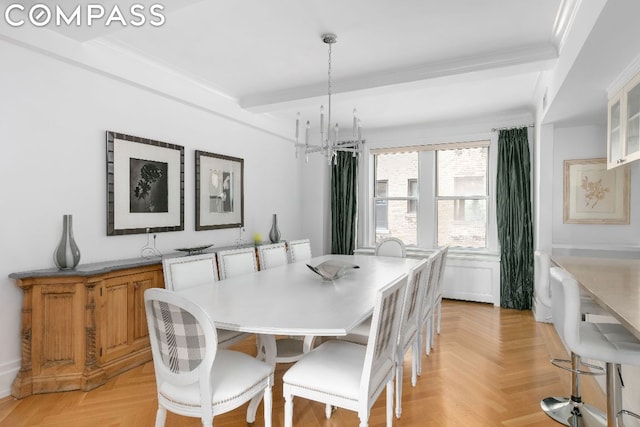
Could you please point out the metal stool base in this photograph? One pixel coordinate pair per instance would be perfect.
(573, 414)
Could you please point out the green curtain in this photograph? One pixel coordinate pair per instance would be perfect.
(344, 203)
(515, 230)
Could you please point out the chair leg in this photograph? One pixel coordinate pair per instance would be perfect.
(399, 371)
(268, 406)
(439, 314)
(161, 416)
(288, 410)
(415, 361)
(389, 403)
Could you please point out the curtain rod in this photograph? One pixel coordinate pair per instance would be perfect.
(512, 127)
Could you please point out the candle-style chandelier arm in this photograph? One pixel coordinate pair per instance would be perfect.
(330, 142)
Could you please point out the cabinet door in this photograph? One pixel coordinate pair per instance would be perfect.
(123, 326)
(632, 119)
(614, 131)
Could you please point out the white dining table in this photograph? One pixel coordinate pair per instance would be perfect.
(293, 300)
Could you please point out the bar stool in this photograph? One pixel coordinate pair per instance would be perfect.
(610, 343)
(561, 408)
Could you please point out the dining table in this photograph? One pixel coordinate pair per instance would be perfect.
(293, 300)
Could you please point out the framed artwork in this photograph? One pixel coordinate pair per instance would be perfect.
(595, 195)
(145, 185)
(219, 191)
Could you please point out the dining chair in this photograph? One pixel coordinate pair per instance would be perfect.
(299, 250)
(427, 308)
(408, 337)
(194, 377)
(350, 375)
(234, 262)
(391, 246)
(193, 270)
(437, 294)
(272, 255)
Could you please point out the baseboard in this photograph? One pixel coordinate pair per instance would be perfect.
(8, 373)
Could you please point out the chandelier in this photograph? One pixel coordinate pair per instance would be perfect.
(330, 142)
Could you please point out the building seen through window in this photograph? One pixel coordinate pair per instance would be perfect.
(457, 199)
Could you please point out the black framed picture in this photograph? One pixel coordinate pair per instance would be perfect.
(145, 185)
(219, 191)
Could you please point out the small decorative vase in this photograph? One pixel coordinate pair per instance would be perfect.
(274, 234)
(67, 254)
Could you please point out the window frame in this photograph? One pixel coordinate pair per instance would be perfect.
(485, 197)
(427, 208)
(387, 199)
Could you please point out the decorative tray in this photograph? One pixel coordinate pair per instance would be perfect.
(194, 250)
(332, 270)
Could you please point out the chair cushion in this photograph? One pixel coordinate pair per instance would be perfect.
(335, 367)
(608, 342)
(234, 373)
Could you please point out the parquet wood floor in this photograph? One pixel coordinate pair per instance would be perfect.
(490, 367)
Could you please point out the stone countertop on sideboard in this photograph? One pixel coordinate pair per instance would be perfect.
(91, 269)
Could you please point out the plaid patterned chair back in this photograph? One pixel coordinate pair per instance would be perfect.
(299, 250)
(383, 337)
(187, 271)
(183, 338)
(236, 262)
(272, 255)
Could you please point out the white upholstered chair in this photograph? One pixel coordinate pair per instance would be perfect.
(350, 375)
(195, 378)
(193, 270)
(408, 338)
(610, 343)
(391, 246)
(299, 250)
(234, 262)
(437, 292)
(428, 307)
(272, 255)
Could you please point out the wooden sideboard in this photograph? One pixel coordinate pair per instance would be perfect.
(82, 327)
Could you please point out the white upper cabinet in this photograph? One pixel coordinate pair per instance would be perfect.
(623, 125)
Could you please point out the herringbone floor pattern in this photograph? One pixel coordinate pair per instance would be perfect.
(490, 367)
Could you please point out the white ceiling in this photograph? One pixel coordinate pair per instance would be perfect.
(399, 62)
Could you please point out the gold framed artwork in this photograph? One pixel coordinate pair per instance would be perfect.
(595, 195)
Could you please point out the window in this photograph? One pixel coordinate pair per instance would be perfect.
(433, 195)
(461, 197)
(395, 198)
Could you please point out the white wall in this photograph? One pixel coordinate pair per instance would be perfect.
(585, 142)
(53, 118)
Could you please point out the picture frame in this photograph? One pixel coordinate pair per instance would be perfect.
(145, 185)
(595, 195)
(219, 191)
